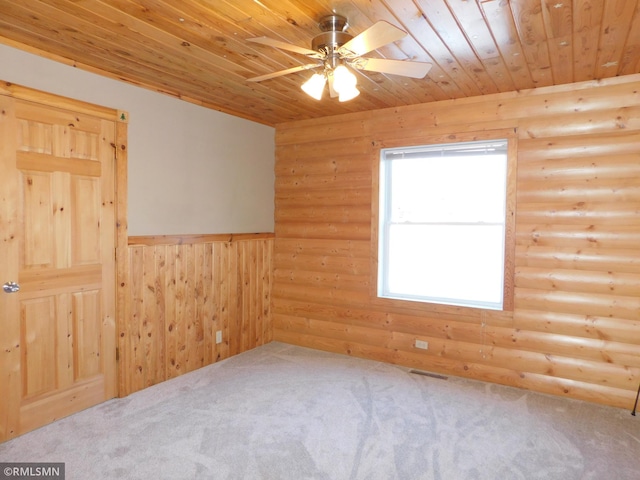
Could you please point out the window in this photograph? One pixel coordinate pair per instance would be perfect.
(442, 223)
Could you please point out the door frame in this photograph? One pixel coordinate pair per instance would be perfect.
(121, 119)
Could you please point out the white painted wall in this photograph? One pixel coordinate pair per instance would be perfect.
(191, 169)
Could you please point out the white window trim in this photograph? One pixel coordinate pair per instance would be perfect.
(394, 304)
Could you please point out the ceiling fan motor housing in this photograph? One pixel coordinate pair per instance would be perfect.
(333, 22)
(333, 36)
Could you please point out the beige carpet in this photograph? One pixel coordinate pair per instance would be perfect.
(284, 412)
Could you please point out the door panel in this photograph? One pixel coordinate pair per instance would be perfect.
(85, 197)
(38, 343)
(38, 247)
(57, 215)
(87, 331)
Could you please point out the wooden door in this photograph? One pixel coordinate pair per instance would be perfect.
(57, 241)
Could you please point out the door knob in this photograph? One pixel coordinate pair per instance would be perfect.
(10, 287)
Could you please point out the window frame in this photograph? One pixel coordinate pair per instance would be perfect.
(510, 210)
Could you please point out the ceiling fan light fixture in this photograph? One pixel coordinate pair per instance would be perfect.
(315, 86)
(335, 50)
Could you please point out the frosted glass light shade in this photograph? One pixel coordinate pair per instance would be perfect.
(315, 86)
(343, 79)
(347, 94)
(343, 84)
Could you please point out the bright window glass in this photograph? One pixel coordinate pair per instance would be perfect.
(442, 223)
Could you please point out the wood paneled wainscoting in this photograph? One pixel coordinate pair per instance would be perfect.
(184, 289)
(574, 329)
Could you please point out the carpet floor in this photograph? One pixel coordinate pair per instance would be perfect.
(285, 412)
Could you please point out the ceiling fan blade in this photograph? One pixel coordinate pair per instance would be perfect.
(393, 67)
(279, 73)
(286, 46)
(374, 37)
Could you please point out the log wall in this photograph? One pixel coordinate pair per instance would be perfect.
(575, 327)
(181, 291)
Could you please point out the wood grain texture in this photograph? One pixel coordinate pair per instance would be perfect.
(198, 50)
(59, 156)
(573, 330)
(180, 294)
(10, 352)
(123, 308)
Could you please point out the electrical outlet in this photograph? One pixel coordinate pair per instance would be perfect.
(422, 344)
(219, 336)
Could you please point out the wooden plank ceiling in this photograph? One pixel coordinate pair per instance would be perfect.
(197, 49)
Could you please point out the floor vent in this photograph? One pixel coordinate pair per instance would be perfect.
(428, 374)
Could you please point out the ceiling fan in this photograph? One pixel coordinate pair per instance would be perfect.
(334, 50)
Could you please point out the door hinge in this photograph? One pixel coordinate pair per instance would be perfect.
(117, 354)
